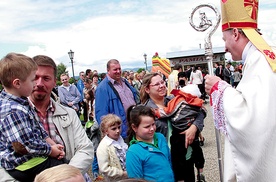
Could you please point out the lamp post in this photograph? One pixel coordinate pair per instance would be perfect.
(71, 56)
(145, 56)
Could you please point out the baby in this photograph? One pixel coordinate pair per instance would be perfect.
(183, 108)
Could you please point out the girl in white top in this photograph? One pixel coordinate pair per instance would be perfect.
(111, 152)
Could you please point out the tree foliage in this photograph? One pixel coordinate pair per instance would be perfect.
(61, 68)
(140, 70)
(72, 80)
(234, 63)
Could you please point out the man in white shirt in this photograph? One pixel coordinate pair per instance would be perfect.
(173, 78)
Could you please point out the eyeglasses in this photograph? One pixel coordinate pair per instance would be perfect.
(158, 84)
(64, 79)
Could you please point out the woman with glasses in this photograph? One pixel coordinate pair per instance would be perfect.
(153, 94)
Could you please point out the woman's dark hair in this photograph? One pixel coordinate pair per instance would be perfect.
(195, 68)
(182, 83)
(134, 114)
(95, 75)
(87, 71)
(103, 75)
(90, 95)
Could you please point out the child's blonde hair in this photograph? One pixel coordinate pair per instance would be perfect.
(64, 74)
(108, 121)
(15, 65)
(58, 173)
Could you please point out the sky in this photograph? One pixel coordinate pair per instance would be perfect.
(100, 30)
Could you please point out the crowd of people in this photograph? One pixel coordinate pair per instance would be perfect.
(108, 104)
(230, 74)
(148, 131)
(128, 115)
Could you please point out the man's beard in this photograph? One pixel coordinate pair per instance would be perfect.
(39, 97)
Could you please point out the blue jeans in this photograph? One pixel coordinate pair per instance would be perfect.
(95, 167)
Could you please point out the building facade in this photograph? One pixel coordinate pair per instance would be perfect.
(196, 57)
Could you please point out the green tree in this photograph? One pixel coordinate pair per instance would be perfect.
(71, 80)
(234, 63)
(58, 83)
(140, 70)
(61, 68)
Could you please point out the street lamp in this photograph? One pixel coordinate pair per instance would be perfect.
(145, 56)
(71, 56)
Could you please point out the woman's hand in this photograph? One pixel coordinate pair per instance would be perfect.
(190, 135)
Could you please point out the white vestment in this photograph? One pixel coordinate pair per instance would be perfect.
(247, 116)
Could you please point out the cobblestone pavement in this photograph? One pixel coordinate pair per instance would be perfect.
(211, 168)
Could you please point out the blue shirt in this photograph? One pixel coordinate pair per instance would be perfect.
(80, 87)
(71, 95)
(18, 122)
(124, 92)
(107, 100)
(149, 162)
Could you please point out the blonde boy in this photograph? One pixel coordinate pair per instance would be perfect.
(24, 144)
